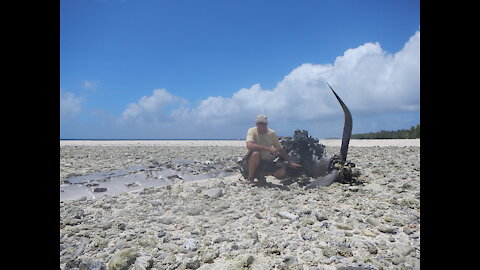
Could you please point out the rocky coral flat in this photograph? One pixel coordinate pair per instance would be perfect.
(222, 223)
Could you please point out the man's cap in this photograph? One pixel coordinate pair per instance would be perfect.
(261, 118)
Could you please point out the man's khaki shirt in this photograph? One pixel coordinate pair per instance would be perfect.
(268, 139)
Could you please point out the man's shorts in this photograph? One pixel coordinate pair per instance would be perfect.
(266, 167)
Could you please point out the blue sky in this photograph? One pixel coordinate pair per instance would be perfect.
(200, 69)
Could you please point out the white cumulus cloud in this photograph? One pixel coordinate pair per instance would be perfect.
(369, 80)
(89, 85)
(377, 82)
(151, 108)
(70, 105)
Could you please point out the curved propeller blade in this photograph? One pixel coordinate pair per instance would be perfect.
(347, 127)
(347, 133)
(325, 181)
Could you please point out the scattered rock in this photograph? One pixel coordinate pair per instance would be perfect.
(177, 189)
(195, 210)
(247, 260)
(387, 229)
(258, 215)
(213, 193)
(408, 230)
(191, 244)
(209, 256)
(397, 260)
(166, 220)
(403, 250)
(368, 232)
(306, 236)
(192, 265)
(353, 188)
(329, 252)
(106, 224)
(122, 259)
(373, 221)
(143, 262)
(287, 215)
(372, 249)
(320, 216)
(93, 265)
(344, 227)
(345, 252)
(121, 226)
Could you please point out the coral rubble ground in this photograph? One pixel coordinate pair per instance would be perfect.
(222, 223)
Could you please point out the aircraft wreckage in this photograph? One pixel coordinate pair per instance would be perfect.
(318, 169)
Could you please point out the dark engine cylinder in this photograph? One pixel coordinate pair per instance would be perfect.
(306, 151)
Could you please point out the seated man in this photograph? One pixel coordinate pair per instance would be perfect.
(262, 148)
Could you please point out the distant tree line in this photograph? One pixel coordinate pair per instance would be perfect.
(412, 133)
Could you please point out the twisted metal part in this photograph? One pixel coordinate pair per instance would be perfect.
(333, 176)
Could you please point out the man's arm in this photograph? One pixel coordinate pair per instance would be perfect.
(285, 155)
(253, 146)
(272, 149)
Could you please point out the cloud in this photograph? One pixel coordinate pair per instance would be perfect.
(89, 85)
(151, 109)
(70, 105)
(369, 80)
(377, 82)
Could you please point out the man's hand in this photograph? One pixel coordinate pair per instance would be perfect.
(294, 165)
(274, 151)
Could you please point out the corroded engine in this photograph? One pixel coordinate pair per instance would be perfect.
(308, 152)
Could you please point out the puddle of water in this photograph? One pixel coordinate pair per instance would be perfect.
(129, 179)
(102, 175)
(181, 161)
(75, 191)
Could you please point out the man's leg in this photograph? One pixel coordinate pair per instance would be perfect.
(253, 162)
(280, 173)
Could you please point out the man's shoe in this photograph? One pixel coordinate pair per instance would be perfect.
(261, 177)
(251, 183)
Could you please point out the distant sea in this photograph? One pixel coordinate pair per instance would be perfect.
(152, 139)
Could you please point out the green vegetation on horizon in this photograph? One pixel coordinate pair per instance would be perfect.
(412, 133)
